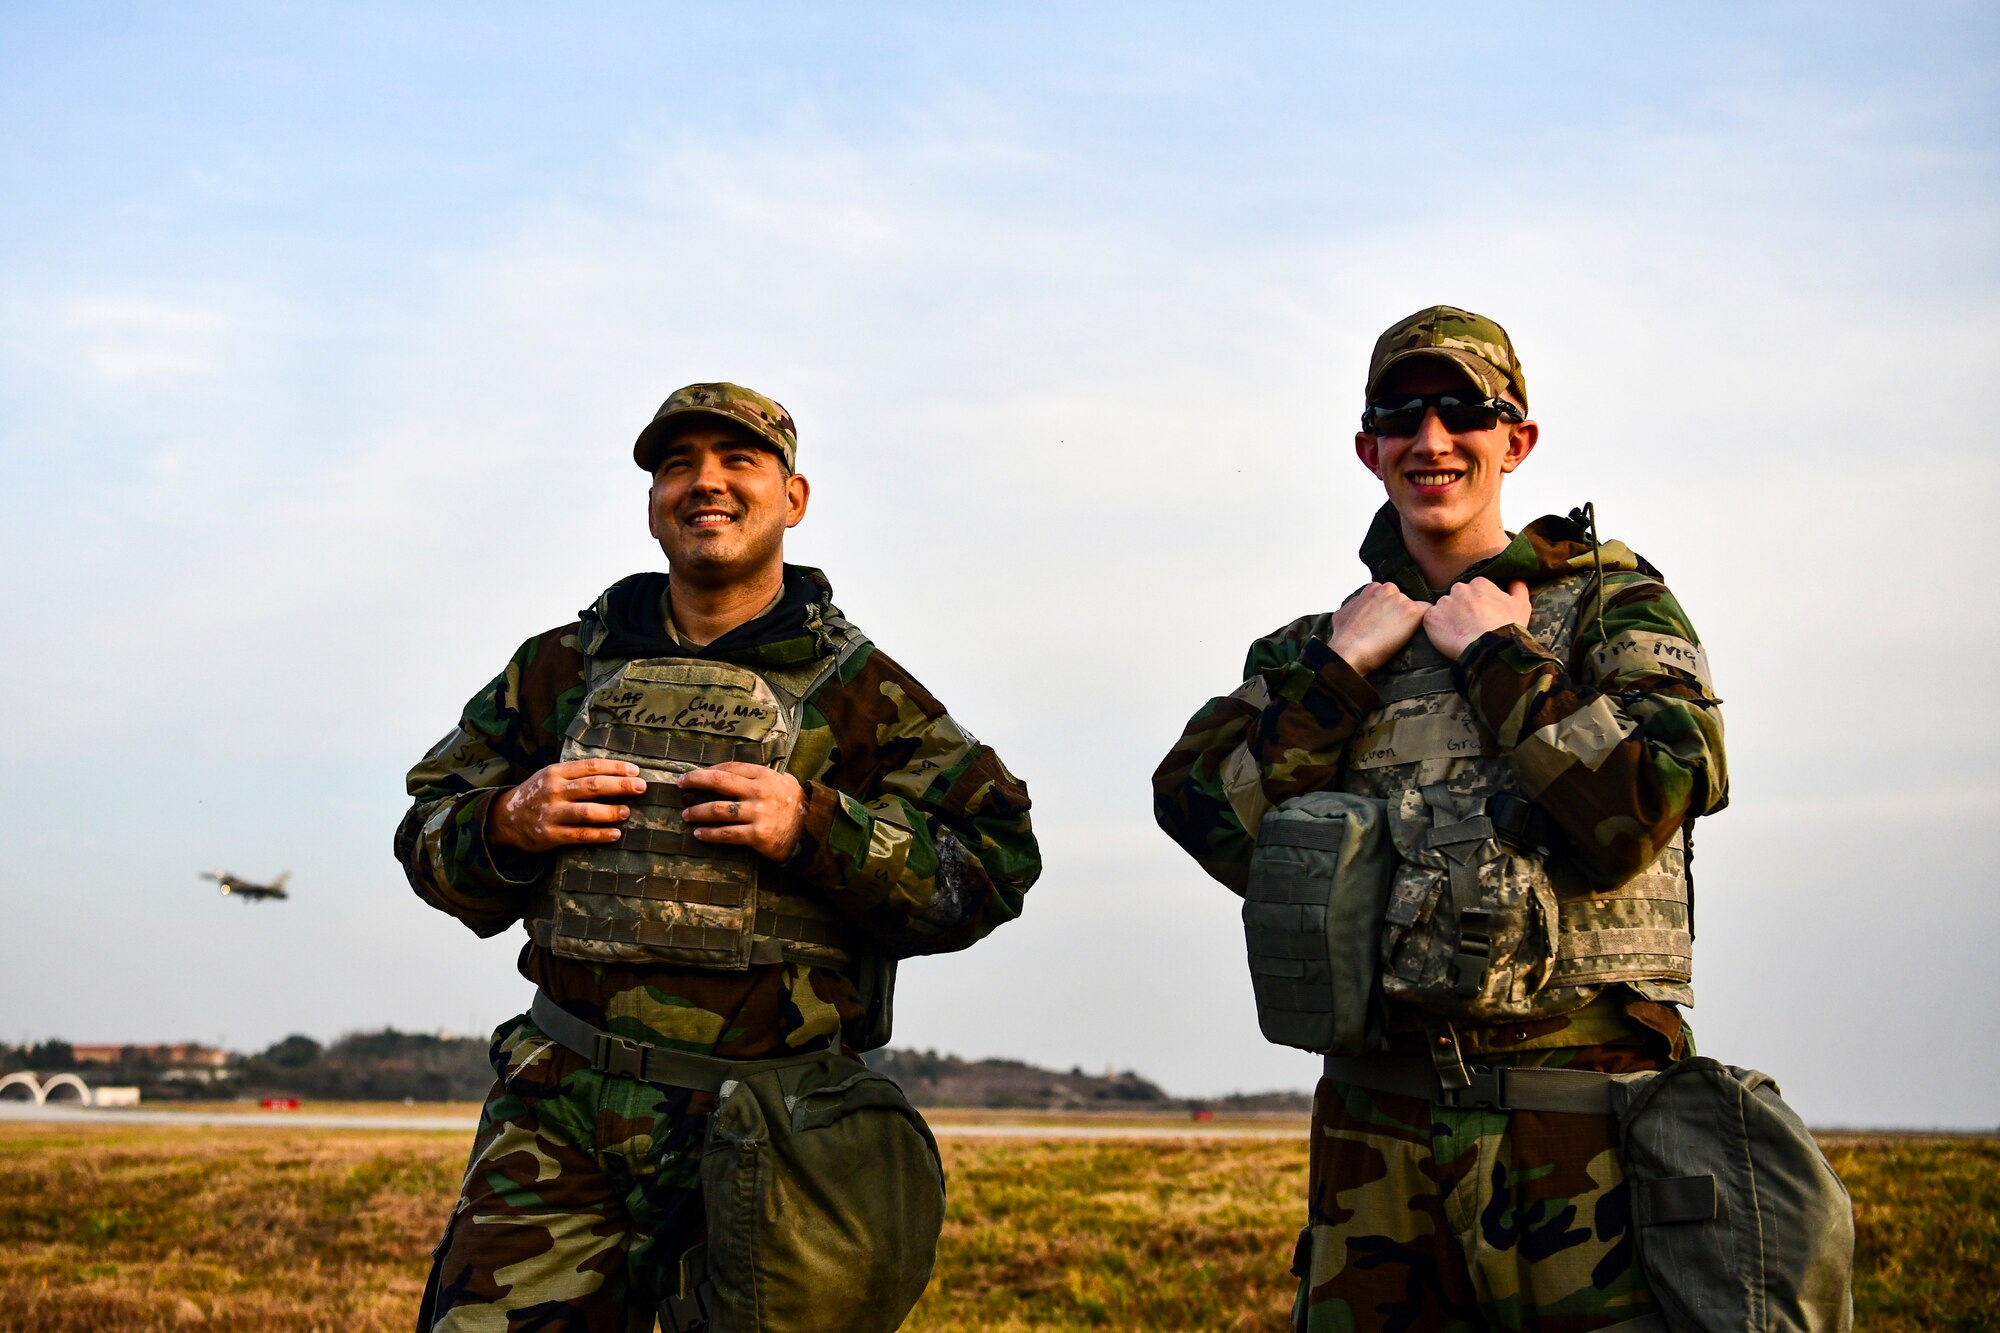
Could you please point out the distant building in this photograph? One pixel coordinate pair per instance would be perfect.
(185, 1061)
(178, 1055)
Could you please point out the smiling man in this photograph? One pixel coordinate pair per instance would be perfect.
(722, 815)
(1458, 809)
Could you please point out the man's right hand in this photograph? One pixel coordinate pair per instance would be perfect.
(1373, 625)
(564, 804)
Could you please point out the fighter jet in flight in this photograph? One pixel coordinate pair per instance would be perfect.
(244, 889)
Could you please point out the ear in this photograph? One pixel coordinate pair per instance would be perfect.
(797, 492)
(1519, 445)
(1369, 451)
(652, 513)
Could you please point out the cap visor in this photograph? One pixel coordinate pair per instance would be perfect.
(1484, 377)
(646, 449)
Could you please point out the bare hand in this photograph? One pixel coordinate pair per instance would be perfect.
(571, 802)
(759, 808)
(1474, 608)
(1373, 625)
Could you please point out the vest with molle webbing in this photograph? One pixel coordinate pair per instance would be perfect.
(659, 895)
(1474, 927)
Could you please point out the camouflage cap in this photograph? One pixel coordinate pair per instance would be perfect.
(1473, 343)
(763, 417)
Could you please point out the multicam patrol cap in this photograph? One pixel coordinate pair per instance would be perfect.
(762, 417)
(1473, 343)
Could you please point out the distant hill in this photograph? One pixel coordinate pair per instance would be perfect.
(391, 1066)
(931, 1079)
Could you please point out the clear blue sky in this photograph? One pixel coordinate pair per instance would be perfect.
(323, 335)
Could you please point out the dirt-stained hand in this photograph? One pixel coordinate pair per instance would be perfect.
(1373, 625)
(757, 807)
(563, 804)
(1472, 609)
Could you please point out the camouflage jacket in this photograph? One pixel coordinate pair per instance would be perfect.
(912, 828)
(1614, 818)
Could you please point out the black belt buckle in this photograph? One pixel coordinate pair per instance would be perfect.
(1482, 1092)
(617, 1055)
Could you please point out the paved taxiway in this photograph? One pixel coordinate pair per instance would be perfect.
(27, 1113)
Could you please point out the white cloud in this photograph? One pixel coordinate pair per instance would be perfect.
(126, 339)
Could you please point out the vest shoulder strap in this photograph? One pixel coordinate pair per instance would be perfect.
(847, 641)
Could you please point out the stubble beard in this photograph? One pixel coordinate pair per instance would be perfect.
(717, 565)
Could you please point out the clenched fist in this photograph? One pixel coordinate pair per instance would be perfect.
(757, 807)
(1473, 608)
(571, 802)
(1373, 625)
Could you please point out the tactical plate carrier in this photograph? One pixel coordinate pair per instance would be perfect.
(659, 895)
(1481, 923)
(1475, 917)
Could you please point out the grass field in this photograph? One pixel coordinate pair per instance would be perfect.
(172, 1227)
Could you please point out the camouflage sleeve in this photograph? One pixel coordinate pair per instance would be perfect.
(911, 824)
(1276, 736)
(1622, 757)
(508, 730)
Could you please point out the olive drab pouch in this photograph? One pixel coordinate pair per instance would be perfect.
(825, 1197)
(1312, 920)
(1741, 1222)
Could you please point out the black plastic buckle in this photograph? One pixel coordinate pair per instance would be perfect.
(1519, 823)
(684, 1313)
(1475, 951)
(1468, 975)
(1482, 1091)
(617, 1055)
(685, 1310)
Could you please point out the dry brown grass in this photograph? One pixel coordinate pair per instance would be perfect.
(168, 1227)
(1144, 1235)
(172, 1227)
(1926, 1231)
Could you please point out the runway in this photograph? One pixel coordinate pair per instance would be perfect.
(26, 1113)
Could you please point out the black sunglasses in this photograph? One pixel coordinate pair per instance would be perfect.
(1456, 413)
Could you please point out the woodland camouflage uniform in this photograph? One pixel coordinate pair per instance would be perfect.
(914, 831)
(1427, 1217)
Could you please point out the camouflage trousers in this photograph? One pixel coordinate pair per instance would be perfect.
(581, 1195)
(1426, 1219)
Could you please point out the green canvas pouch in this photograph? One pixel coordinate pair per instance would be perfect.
(1742, 1225)
(1312, 920)
(824, 1197)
